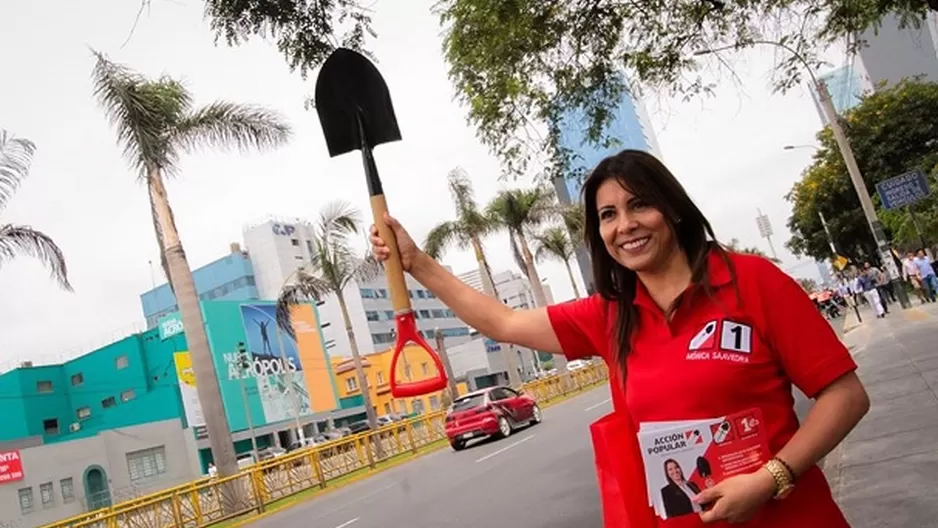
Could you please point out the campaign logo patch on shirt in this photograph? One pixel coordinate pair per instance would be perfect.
(705, 339)
(721, 340)
(736, 337)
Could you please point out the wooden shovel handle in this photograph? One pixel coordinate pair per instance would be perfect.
(400, 300)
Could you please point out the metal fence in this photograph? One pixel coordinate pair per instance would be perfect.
(210, 501)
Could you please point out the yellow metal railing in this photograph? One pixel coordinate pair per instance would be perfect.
(209, 501)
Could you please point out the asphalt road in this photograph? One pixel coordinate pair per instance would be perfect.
(539, 476)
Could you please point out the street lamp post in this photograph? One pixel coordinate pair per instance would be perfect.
(243, 366)
(866, 203)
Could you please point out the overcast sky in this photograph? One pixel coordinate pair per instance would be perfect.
(726, 150)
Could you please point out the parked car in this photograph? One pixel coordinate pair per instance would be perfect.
(493, 411)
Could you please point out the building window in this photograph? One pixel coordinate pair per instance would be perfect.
(382, 338)
(379, 377)
(146, 464)
(351, 384)
(77, 379)
(434, 403)
(424, 314)
(382, 293)
(439, 314)
(367, 293)
(108, 402)
(84, 413)
(425, 368)
(301, 258)
(294, 242)
(422, 294)
(389, 314)
(26, 500)
(128, 395)
(430, 295)
(121, 362)
(47, 495)
(68, 490)
(456, 332)
(43, 386)
(450, 313)
(372, 315)
(51, 426)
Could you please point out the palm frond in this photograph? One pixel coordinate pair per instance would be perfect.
(305, 288)
(338, 219)
(368, 269)
(224, 124)
(460, 189)
(23, 240)
(16, 154)
(553, 243)
(439, 238)
(138, 109)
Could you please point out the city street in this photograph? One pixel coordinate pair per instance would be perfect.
(539, 476)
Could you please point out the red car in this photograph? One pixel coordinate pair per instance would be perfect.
(494, 411)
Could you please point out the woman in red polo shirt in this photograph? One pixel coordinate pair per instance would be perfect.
(690, 332)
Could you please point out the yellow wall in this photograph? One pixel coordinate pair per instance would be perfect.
(377, 368)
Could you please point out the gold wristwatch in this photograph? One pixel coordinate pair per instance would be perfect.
(783, 478)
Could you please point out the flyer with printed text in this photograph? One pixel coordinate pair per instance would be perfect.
(683, 458)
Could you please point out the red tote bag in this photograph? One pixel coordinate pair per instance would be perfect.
(620, 473)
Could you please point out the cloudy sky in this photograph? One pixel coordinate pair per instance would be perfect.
(726, 150)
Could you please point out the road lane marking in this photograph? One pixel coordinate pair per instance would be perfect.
(591, 407)
(347, 523)
(506, 448)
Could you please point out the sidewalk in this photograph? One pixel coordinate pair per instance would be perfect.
(885, 472)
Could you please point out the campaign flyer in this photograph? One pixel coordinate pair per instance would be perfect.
(682, 458)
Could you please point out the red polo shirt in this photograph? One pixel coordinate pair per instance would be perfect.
(718, 356)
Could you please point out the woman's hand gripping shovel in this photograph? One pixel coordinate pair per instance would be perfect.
(355, 111)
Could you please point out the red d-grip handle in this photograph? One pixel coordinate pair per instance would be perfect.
(407, 332)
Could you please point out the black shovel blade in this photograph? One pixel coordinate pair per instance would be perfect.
(349, 89)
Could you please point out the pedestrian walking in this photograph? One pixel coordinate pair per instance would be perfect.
(913, 276)
(927, 272)
(689, 331)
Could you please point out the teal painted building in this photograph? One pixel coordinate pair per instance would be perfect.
(129, 382)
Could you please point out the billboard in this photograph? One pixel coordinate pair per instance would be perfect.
(187, 389)
(11, 466)
(285, 376)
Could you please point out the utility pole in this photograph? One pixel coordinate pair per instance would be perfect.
(444, 358)
(879, 235)
(244, 364)
(300, 435)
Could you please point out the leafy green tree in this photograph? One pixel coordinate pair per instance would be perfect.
(554, 243)
(156, 123)
(334, 265)
(16, 154)
(517, 64)
(809, 285)
(891, 133)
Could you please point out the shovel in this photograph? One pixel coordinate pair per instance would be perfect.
(355, 112)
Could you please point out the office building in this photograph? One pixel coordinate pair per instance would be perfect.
(228, 278)
(891, 53)
(630, 125)
(278, 247)
(846, 85)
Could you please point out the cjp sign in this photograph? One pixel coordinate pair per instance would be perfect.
(283, 229)
(11, 466)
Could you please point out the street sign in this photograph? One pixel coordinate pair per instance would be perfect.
(903, 190)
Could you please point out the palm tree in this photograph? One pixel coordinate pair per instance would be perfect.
(554, 243)
(156, 123)
(15, 157)
(521, 212)
(333, 266)
(467, 230)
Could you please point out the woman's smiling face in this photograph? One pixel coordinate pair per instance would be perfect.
(636, 235)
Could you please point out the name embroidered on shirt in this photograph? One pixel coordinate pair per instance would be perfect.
(717, 356)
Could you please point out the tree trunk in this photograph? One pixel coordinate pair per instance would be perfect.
(560, 361)
(203, 366)
(357, 360)
(488, 285)
(576, 291)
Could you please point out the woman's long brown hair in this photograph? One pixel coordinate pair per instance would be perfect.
(646, 177)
